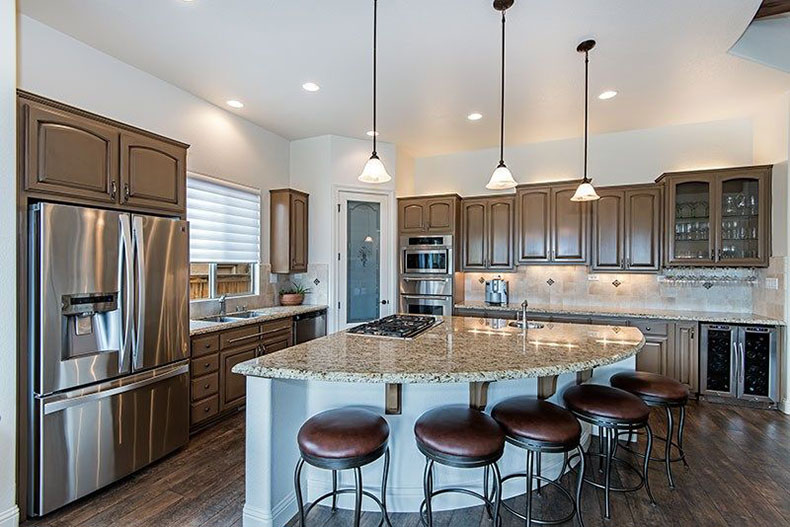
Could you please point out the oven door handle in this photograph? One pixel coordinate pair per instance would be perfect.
(429, 297)
(426, 279)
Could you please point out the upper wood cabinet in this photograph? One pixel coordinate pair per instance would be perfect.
(430, 215)
(551, 227)
(78, 157)
(153, 173)
(626, 229)
(288, 229)
(718, 217)
(488, 232)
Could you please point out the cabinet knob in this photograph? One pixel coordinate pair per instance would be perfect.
(207, 365)
(207, 346)
(206, 386)
(207, 409)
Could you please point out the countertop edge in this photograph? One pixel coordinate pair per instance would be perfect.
(287, 311)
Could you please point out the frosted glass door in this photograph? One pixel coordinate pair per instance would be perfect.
(363, 251)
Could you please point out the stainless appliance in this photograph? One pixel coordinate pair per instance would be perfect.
(109, 347)
(497, 291)
(426, 254)
(739, 362)
(427, 270)
(309, 326)
(396, 326)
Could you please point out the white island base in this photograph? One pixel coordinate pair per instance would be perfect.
(276, 408)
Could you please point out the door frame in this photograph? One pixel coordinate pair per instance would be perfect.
(389, 250)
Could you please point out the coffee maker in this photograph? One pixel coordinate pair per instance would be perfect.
(496, 291)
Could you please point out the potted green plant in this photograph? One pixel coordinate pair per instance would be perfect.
(294, 295)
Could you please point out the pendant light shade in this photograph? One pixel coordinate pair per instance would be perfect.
(374, 171)
(586, 192)
(502, 179)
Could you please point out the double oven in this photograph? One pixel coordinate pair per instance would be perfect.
(426, 275)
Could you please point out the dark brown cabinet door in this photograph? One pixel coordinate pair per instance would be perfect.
(68, 154)
(643, 229)
(441, 215)
(412, 216)
(299, 224)
(743, 222)
(475, 239)
(534, 224)
(232, 385)
(608, 231)
(569, 226)
(153, 173)
(500, 233)
(689, 211)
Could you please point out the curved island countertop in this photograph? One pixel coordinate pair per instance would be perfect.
(459, 349)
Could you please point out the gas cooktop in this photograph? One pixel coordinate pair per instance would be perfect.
(397, 326)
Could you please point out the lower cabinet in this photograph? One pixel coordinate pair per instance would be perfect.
(215, 390)
(683, 363)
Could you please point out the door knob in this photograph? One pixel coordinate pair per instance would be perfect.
(385, 302)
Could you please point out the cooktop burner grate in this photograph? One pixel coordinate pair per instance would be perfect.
(396, 326)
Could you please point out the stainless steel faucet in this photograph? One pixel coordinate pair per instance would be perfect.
(222, 304)
(524, 306)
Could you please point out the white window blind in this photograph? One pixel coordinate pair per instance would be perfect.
(224, 221)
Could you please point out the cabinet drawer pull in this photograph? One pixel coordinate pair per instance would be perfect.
(126, 191)
(207, 346)
(206, 386)
(207, 409)
(113, 189)
(207, 365)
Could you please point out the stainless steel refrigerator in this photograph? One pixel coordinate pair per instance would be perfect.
(109, 347)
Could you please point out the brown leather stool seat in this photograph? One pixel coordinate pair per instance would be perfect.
(605, 402)
(343, 433)
(537, 421)
(459, 432)
(651, 386)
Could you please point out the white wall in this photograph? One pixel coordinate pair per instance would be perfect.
(637, 156)
(9, 514)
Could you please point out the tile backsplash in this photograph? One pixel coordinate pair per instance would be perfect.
(316, 279)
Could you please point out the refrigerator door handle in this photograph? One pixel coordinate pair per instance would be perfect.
(127, 294)
(139, 249)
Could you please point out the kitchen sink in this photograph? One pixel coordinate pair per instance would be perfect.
(530, 325)
(220, 318)
(245, 314)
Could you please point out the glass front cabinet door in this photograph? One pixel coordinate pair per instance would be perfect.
(719, 217)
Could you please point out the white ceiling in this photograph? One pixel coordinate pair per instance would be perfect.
(438, 61)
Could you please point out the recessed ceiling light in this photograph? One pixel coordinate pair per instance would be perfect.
(373, 133)
(233, 103)
(311, 86)
(474, 116)
(608, 94)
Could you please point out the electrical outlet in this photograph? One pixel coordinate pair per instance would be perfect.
(273, 278)
(772, 283)
(593, 278)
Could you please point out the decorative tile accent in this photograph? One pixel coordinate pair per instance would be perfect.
(316, 281)
(617, 283)
(550, 282)
(481, 280)
(707, 285)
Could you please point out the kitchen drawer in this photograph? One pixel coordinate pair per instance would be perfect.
(205, 345)
(570, 319)
(273, 326)
(204, 365)
(277, 341)
(239, 336)
(651, 327)
(204, 386)
(606, 321)
(205, 409)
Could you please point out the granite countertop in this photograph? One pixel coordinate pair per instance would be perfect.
(634, 312)
(459, 349)
(200, 327)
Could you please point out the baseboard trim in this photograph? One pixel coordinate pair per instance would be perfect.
(10, 517)
(784, 406)
(281, 513)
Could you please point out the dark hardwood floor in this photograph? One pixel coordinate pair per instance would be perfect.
(739, 475)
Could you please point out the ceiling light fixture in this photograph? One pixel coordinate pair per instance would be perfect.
(235, 104)
(502, 179)
(372, 133)
(586, 192)
(608, 94)
(374, 171)
(311, 87)
(474, 116)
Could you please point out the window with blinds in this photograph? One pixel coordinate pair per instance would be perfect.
(224, 237)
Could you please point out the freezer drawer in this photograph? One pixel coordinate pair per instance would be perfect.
(89, 438)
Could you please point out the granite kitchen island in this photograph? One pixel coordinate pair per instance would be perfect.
(459, 360)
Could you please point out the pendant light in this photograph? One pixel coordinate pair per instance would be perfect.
(586, 192)
(374, 171)
(502, 179)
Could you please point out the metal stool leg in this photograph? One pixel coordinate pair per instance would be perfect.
(485, 490)
(384, 487)
(579, 484)
(600, 448)
(298, 489)
(648, 451)
(530, 460)
(334, 490)
(497, 494)
(358, 494)
(538, 456)
(608, 474)
(680, 434)
(668, 446)
(427, 486)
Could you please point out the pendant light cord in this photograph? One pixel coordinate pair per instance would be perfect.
(375, 39)
(586, 110)
(502, 101)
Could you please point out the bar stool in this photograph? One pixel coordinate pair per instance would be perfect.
(659, 391)
(613, 411)
(344, 439)
(541, 427)
(460, 437)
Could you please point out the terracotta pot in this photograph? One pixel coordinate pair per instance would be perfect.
(291, 299)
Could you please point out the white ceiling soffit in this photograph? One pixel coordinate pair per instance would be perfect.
(438, 61)
(767, 42)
